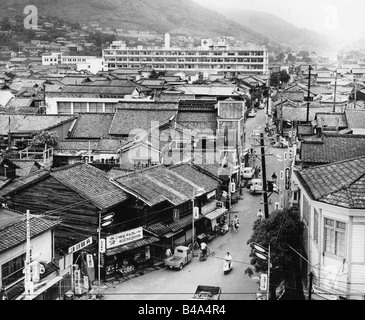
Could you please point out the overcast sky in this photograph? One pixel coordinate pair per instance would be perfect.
(343, 18)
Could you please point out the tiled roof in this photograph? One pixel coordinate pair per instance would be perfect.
(158, 184)
(128, 121)
(14, 234)
(30, 123)
(149, 105)
(300, 113)
(26, 167)
(91, 183)
(331, 119)
(198, 120)
(305, 130)
(355, 118)
(182, 223)
(333, 148)
(209, 90)
(294, 95)
(92, 125)
(108, 145)
(340, 183)
(16, 103)
(158, 228)
(118, 172)
(22, 182)
(197, 177)
(98, 90)
(153, 82)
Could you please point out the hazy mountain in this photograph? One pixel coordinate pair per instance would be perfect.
(177, 17)
(184, 17)
(277, 29)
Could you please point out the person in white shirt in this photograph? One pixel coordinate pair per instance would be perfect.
(228, 258)
(203, 248)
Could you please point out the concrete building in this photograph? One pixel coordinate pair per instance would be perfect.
(209, 58)
(92, 64)
(331, 205)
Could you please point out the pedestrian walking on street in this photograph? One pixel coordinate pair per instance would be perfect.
(168, 253)
(232, 226)
(260, 215)
(236, 223)
(274, 177)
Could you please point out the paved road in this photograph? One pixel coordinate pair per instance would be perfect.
(166, 284)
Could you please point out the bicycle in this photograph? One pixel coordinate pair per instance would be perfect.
(194, 246)
(204, 257)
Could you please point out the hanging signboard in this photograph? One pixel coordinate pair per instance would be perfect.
(89, 261)
(211, 194)
(80, 245)
(118, 239)
(263, 281)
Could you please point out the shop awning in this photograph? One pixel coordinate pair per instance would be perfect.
(216, 213)
(132, 245)
(183, 222)
(171, 234)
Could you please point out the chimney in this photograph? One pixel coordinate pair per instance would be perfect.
(167, 41)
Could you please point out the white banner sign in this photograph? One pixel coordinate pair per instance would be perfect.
(124, 237)
(80, 245)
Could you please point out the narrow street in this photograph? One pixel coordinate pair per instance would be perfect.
(166, 284)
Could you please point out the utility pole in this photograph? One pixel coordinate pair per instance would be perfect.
(99, 237)
(355, 94)
(310, 285)
(309, 92)
(268, 274)
(264, 184)
(334, 96)
(9, 137)
(192, 229)
(28, 284)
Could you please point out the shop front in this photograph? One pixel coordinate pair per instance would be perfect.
(128, 252)
(216, 219)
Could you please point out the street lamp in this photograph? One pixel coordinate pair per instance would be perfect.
(103, 222)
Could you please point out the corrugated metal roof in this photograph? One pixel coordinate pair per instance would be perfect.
(216, 213)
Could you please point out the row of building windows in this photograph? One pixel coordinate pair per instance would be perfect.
(187, 66)
(182, 60)
(82, 107)
(182, 53)
(334, 231)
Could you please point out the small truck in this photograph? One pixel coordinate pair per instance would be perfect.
(182, 255)
(207, 293)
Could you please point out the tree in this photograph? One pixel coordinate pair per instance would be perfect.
(5, 24)
(44, 138)
(277, 77)
(283, 231)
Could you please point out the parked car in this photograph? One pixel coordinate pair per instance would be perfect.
(256, 186)
(182, 255)
(207, 293)
(252, 114)
(248, 173)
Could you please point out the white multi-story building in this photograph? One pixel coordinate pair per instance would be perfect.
(89, 63)
(209, 58)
